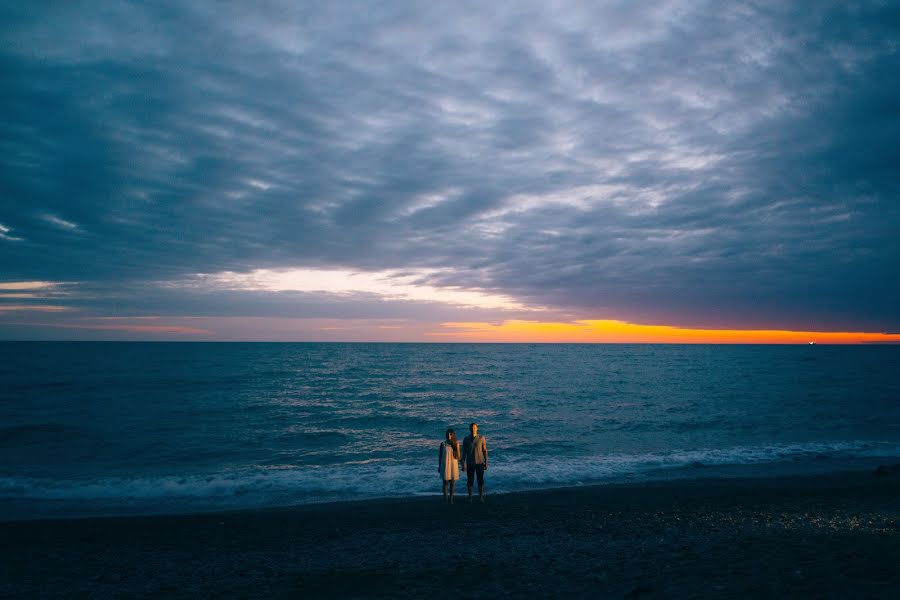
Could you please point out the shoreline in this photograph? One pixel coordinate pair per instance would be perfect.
(821, 535)
(757, 472)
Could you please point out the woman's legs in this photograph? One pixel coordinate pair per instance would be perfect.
(452, 487)
(445, 489)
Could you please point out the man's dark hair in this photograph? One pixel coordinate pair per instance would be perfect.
(470, 425)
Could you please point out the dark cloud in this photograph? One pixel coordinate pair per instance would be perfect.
(691, 163)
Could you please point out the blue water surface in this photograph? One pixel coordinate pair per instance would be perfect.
(118, 428)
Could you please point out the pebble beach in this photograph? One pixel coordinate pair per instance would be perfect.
(835, 535)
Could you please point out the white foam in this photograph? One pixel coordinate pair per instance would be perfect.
(291, 484)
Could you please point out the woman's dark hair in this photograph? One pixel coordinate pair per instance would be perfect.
(451, 437)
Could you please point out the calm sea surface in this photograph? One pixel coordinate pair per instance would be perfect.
(118, 428)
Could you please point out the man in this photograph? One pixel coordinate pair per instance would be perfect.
(476, 456)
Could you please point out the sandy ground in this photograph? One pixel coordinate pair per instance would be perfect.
(835, 536)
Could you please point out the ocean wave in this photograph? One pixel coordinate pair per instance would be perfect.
(264, 485)
(582, 470)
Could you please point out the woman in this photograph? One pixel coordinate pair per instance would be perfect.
(448, 463)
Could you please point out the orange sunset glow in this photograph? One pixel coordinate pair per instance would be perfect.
(621, 332)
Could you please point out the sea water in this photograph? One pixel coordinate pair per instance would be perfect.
(125, 428)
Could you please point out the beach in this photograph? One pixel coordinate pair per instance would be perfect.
(835, 535)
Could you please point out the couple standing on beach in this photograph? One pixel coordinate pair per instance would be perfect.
(473, 459)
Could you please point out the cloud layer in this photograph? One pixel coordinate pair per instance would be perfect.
(686, 163)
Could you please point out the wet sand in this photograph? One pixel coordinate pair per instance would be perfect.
(834, 536)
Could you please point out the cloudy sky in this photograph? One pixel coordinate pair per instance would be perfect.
(448, 171)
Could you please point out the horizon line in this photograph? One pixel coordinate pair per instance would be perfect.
(448, 342)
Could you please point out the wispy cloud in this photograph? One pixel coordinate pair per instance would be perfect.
(33, 308)
(60, 223)
(6, 234)
(670, 161)
(179, 330)
(27, 285)
(412, 284)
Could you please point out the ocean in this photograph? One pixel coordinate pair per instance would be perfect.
(133, 428)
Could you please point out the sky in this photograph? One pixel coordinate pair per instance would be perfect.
(655, 171)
